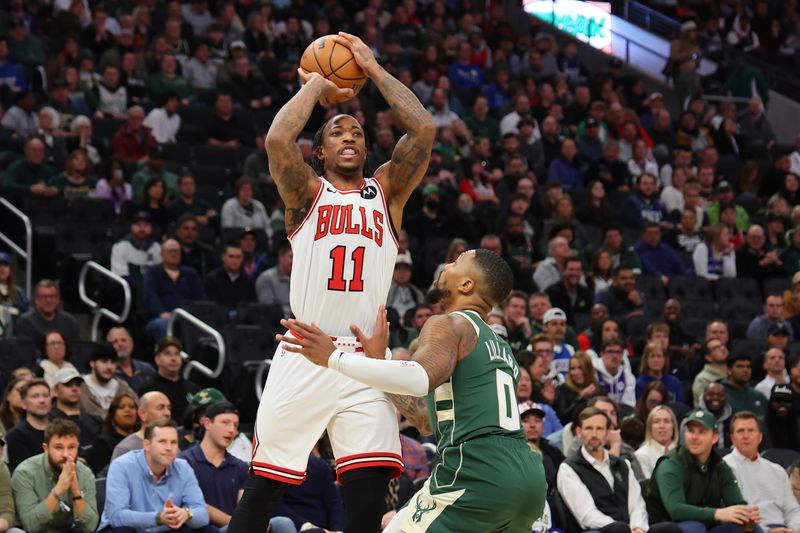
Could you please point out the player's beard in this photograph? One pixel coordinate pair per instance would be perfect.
(437, 295)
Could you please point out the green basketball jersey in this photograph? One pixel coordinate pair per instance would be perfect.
(480, 397)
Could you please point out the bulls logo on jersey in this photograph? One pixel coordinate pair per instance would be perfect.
(369, 192)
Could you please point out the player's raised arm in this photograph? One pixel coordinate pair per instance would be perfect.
(410, 158)
(296, 181)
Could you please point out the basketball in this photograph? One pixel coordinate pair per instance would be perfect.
(335, 62)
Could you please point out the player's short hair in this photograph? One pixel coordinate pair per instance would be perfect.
(61, 427)
(496, 273)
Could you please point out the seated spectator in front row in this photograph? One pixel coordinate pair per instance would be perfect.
(53, 491)
(151, 487)
(220, 475)
(8, 515)
(168, 377)
(695, 487)
(533, 417)
(25, 439)
(152, 406)
(131, 370)
(762, 482)
(600, 490)
(67, 389)
(100, 386)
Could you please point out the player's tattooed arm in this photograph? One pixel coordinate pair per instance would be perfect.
(413, 151)
(442, 342)
(409, 161)
(415, 409)
(296, 181)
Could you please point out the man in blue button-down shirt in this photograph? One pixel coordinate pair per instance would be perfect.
(151, 490)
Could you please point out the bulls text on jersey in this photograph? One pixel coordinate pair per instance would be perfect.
(341, 219)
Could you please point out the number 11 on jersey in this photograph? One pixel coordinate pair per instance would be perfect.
(337, 282)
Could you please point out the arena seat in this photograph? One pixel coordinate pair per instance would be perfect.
(267, 316)
(248, 343)
(745, 288)
(776, 285)
(687, 288)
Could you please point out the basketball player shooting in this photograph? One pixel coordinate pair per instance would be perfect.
(343, 231)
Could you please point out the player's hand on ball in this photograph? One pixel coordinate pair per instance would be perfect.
(361, 52)
(375, 346)
(330, 90)
(310, 341)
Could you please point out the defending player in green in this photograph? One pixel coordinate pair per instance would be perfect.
(460, 386)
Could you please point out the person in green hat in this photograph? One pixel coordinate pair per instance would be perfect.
(240, 447)
(693, 486)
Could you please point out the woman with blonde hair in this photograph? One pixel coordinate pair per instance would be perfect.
(715, 258)
(581, 384)
(660, 438)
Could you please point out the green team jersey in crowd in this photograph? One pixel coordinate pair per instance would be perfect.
(487, 478)
(480, 397)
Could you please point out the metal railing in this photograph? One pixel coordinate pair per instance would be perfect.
(262, 368)
(27, 253)
(647, 18)
(183, 314)
(781, 79)
(99, 311)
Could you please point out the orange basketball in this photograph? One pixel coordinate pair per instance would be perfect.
(335, 62)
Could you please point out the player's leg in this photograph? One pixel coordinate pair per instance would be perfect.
(365, 440)
(364, 494)
(289, 422)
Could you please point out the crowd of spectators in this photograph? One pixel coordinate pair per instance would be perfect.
(654, 251)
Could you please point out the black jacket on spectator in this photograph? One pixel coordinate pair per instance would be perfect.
(100, 455)
(560, 297)
(222, 289)
(618, 303)
(91, 426)
(32, 325)
(176, 391)
(202, 258)
(23, 441)
(611, 502)
(747, 265)
(551, 459)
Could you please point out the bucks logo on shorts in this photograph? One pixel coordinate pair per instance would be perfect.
(420, 511)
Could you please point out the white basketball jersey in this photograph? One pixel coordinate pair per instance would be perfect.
(344, 255)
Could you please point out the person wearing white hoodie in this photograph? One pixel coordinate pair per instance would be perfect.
(615, 378)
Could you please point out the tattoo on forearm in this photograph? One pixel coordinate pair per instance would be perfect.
(403, 101)
(286, 166)
(415, 409)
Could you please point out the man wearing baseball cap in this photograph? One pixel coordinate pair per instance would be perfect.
(533, 416)
(67, 395)
(132, 255)
(555, 325)
(168, 378)
(695, 487)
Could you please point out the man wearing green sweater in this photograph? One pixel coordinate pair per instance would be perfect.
(693, 486)
(30, 175)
